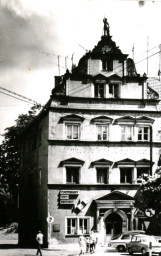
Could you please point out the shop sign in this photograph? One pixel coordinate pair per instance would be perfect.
(64, 197)
(67, 201)
(69, 192)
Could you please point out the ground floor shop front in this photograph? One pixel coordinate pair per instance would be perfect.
(82, 209)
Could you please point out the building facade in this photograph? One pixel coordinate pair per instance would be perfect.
(83, 155)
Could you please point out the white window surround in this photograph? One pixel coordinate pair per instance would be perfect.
(102, 129)
(97, 166)
(127, 133)
(72, 166)
(88, 218)
(143, 133)
(72, 124)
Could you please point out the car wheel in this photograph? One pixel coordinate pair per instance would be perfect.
(130, 251)
(121, 248)
(143, 251)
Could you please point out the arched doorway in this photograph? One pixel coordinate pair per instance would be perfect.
(113, 224)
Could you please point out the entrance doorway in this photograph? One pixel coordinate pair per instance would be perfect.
(113, 224)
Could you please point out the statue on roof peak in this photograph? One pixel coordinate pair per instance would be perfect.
(106, 27)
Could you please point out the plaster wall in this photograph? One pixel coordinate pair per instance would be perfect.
(88, 130)
(89, 154)
(60, 212)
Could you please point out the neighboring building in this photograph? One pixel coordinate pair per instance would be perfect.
(82, 155)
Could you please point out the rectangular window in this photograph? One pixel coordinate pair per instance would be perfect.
(72, 175)
(83, 226)
(75, 225)
(141, 171)
(127, 133)
(107, 65)
(72, 131)
(102, 132)
(102, 175)
(143, 133)
(114, 90)
(71, 226)
(99, 91)
(126, 175)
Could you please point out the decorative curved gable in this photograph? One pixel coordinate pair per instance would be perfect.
(114, 78)
(103, 162)
(115, 195)
(74, 118)
(143, 162)
(144, 120)
(71, 161)
(125, 120)
(103, 119)
(126, 161)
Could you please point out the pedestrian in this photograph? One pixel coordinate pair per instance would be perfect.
(82, 244)
(39, 239)
(93, 241)
(87, 243)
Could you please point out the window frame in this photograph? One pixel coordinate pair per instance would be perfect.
(127, 168)
(77, 222)
(112, 89)
(97, 90)
(107, 65)
(68, 123)
(78, 173)
(105, 168)
(107, 131)
(125, 134)
(143, 133)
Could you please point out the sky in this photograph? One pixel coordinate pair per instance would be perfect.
(33, 33)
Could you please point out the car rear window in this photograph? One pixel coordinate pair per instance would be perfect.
(125, 237)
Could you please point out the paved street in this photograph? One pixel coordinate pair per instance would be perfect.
(10, 248)
(13, 251)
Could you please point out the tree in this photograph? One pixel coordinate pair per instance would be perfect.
(10, 166)
(148, 197)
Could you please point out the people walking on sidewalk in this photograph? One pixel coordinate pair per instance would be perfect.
(93, 241)
(39, 240)
(82, 244)
(87, 244)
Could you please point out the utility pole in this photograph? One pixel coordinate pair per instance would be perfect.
(147, 54)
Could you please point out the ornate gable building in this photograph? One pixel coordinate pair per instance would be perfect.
(83, 155)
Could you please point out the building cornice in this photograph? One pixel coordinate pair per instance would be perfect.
(110, 187)
(102, 143)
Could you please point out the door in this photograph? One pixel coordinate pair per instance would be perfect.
(113, 224)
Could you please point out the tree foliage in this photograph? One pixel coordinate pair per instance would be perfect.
(10, 166)
(148, 197)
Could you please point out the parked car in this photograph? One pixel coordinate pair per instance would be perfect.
(142, 243)
(119, 241)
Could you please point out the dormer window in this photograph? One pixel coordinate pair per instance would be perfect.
(107, 65)
(100, 90)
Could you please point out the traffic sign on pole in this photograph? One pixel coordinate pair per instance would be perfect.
(50, 219)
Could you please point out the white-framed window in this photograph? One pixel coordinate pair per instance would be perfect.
(102, 175)
(126, 175)
(99, 90)
(102, 132)
(127, 133)
(143, 133)
(76, 225)
(72, 174)
(114, 90)
(72, 131)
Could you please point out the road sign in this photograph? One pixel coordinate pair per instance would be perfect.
(149, 212)
(50, 219)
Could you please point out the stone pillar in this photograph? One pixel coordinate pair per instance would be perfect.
(97, 219)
